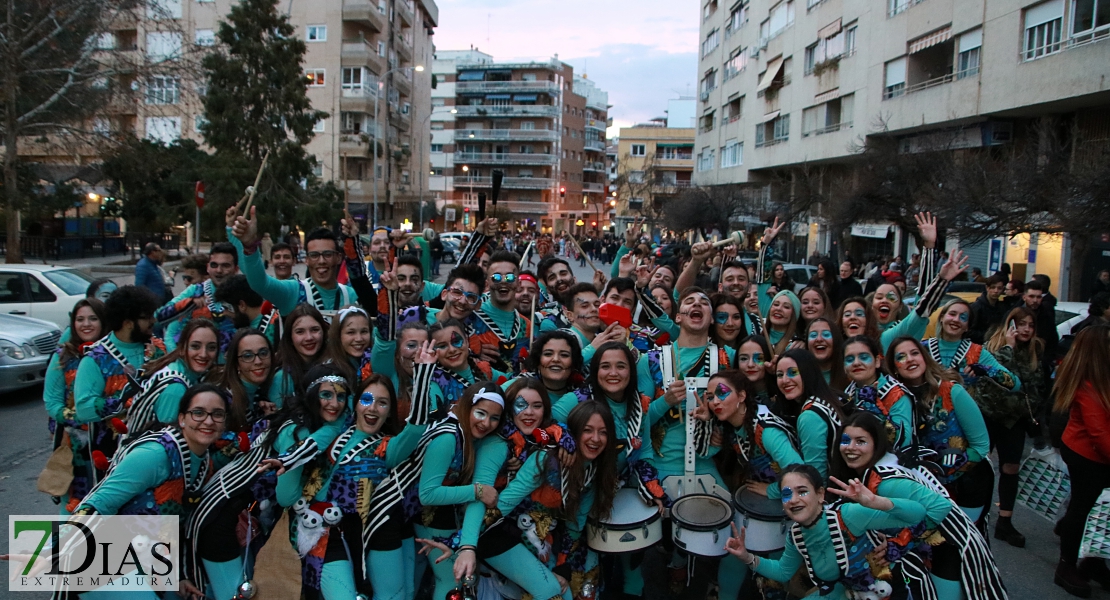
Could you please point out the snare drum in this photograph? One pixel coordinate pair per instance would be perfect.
(631, 526)
(701, 524)
(764, 519)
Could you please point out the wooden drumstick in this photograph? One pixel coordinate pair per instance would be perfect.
(579, 246)
(257, 178)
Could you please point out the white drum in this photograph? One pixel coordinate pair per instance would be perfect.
(763, 518)
(631, 526)
(701, 524)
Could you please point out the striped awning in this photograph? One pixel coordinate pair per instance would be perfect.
(826, 96)
(928, 41)
(770, 116)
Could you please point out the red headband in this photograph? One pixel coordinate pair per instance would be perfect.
(527, 277)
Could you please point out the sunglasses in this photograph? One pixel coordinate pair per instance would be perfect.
(503, 278)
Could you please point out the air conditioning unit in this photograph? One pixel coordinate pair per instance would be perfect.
(997, 132)
(763, 42)
(705, 96)
(753, 52)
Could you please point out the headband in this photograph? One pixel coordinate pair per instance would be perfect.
(491, 396)
(527, 277)
(336, 379)
(342, 314)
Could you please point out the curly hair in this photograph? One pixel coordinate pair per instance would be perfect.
(129, 303)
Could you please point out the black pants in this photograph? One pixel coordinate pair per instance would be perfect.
(1088, 479)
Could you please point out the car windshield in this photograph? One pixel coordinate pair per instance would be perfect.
(1063, 315)
(71, 281)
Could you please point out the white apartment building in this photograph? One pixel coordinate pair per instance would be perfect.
(789, 82)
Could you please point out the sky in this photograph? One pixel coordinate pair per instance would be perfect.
(643, 52)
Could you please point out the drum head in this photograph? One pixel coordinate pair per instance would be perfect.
(629, 508)
(758, 506)
(701, 511)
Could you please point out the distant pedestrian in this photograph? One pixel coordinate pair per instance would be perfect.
(435, 247)
(267, 247)
(1102, 282)
(977, 275)
(988, 311)
(147, 273)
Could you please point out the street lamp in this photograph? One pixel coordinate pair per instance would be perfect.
(378, 132)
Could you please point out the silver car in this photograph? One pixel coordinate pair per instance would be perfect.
(26, 346)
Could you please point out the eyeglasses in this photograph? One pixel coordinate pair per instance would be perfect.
(199, 415)
(249, 356)
(723, 317)
(507, 277)
(461, 294)
(327, 254)
(823, 334)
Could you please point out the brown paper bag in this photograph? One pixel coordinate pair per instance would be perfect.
(57, 476)
(277, 570)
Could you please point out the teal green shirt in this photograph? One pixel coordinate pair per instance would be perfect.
(948, 353)
(281, 387)
(531, 475)
(936, 506)
(169, 401)
(284, 294)
(88, 386)
(290, 488)
(54, 390)
(914, 325)
(812, 435)
(146, 466)
(491, 455)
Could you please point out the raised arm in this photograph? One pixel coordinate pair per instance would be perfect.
(356, 266)
(244, 236)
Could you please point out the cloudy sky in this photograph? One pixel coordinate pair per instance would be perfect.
(643, 52)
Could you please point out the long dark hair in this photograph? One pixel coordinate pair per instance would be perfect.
(813, 381)
(717, 300)
(880, 444)
(304, 409)
(291, 363)
(838, 380)
(870, 324)
(462, 413)
(605, 480)
(335, 352)
(631, 392)
(764, 347)
(934, 373)
(392, 425)
(831, 281)
(528, 383)
(532, 363)
(72, 347)
(404, 380)
(183, 344)
(728, 462)
(231, 381)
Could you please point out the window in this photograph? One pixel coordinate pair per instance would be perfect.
(850, 40)
(437, 126)
(709, 9)
(315, 77)
(705, 160)
(437, 148)
(528, 77)
(774, 131)
(158, 10)
(162, 89)
(830, 47)
(897, 6)
(736, 63)
(733, 110)
(163, 129)
(205, 37)
(711, 42)
(381, 48)
(1044, 25)
(709, 82)
(635, 176)
(967, 62)
(732, 154)
(736, 19)
(106, 41)
(781, 16)
(895, 78)
(810, 58)
(318, 126)
(381, 6)
(102, 126)
(528, 125)
(834, 115)
(163, 45)
(1090, 19)
(781, 128)
(437, 171)
(678, 152)
(639, 150)
(707, 121)
(318, 170)
(316, 33)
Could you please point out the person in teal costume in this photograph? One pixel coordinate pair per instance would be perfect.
(172, 375)
(755, 360)
(303, 345)
(813, 406)
(824, 341)
(247, 377)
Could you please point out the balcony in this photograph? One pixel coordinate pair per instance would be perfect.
(509, 183)
(593, 167)
(503, 158)
(364, 13)
(357, 98)
(595, 124)
(400, 120)
(593, 188)
(402, 82)
(680, 161)
(405, 11)
(512, 110)
(543, 87)
(354, 144)
(524, 208)
(543, 135)
(361, 53)
(595, 145)
(403, 45)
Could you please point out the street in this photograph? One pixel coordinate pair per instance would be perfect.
(1028, 572)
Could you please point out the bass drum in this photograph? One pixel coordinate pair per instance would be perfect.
(763, 518)
(701, 524)
(631, 526)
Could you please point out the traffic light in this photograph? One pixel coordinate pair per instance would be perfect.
(433, 221)
(562, 191)
(467, 209)
(593, 223)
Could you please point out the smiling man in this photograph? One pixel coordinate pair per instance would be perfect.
(198, 301)
(501, 330)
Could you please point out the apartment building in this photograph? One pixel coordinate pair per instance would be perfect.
(656, 163)
(362, 56)
(787, 82)
(537, 122)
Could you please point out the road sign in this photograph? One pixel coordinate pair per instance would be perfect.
(200, 194)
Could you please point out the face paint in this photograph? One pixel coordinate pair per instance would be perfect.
(722, 391)
(480, 415)
(756, 358)
(863, 357)
(723, 317)
(891, 296)
(963, 317)
(456, 340)
(520, 405)
(901, 357)
(792, 372)
(787, 494)
(859, 312)
(845, 439)
(366, 399)
(823, 334)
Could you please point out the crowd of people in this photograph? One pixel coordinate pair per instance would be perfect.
(510, 432)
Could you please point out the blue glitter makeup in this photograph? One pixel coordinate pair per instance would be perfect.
(520, 405)
(366, 399)
(963, 317)
(787, 494)
(845, 439)
(722, 391)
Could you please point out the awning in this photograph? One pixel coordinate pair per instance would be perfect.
(525, 97)
(871, 231)
(823, 97)
(829, 30)
(971, 40)
(498, 96)
(773, 69)
(937, 37)
(471, 76)
(770, 116)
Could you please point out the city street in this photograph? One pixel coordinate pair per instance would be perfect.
(1028, 572)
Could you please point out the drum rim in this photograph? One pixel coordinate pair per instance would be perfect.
(678, 522)
(625, 526)
(758, 516)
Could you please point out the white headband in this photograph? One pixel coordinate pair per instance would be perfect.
(342, 314)
(334, 379)
(491, 396)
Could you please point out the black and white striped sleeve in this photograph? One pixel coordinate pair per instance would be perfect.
(929, 300)
(420, 411)
(649, 305)
(929, 268)
(473, 249)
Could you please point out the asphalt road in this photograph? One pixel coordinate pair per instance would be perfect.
(1028, 572)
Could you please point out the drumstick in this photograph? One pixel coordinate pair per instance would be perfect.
(579, 246)
(532, 323)
(257, 178)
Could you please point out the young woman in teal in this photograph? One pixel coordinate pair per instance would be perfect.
(754, 440)
(247, 372)
(754, 360)
(951, 350)
(175, 373)
(450, 502)
(831, 541)
(163, 471)
(86, 323)
(539, 543)
(556, 359)
(958, 558)
(873, 391)
(818, 408)
(349, 343)
(303, 343)
(728, 320)
(826, 344)
(456, 369)
(783, 322)
(950, 424)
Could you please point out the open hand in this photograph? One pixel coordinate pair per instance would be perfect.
(426, 547)
(271, 464)
(957, 263)
(426, 355)
(927, 227)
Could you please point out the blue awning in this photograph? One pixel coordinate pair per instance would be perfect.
(471, 76)
(497, 97)
(525, 97)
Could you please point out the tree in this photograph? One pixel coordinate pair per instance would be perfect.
(256, 105)
(708, 208)
(649, 186)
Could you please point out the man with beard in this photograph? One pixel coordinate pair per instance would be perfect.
(557, 279)
(281, 257)
(250, 309)
(581, 305)
(502, 332)
(198, 301)
(380, 244)
(109, 372)
(320, 288)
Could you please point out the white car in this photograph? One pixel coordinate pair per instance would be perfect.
(45, 292)
(1068, 315)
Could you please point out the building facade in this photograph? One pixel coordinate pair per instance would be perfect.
(655, 165)
(537, 122)
(784, 83)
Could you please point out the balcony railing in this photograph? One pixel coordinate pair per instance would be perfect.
(593, 188)
(506, 134)
(593, 166)
(356, 90)
(597, 124)
(511, 183)
(504, 158)
(597, 145)
(527, 208)
(512, 110)
(829, 129)
(365, 13)
(895, 91)
(548, 87)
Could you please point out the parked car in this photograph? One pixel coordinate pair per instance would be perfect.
(800, 274)
(26, 346)
(44, 292)
(1068, 315)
